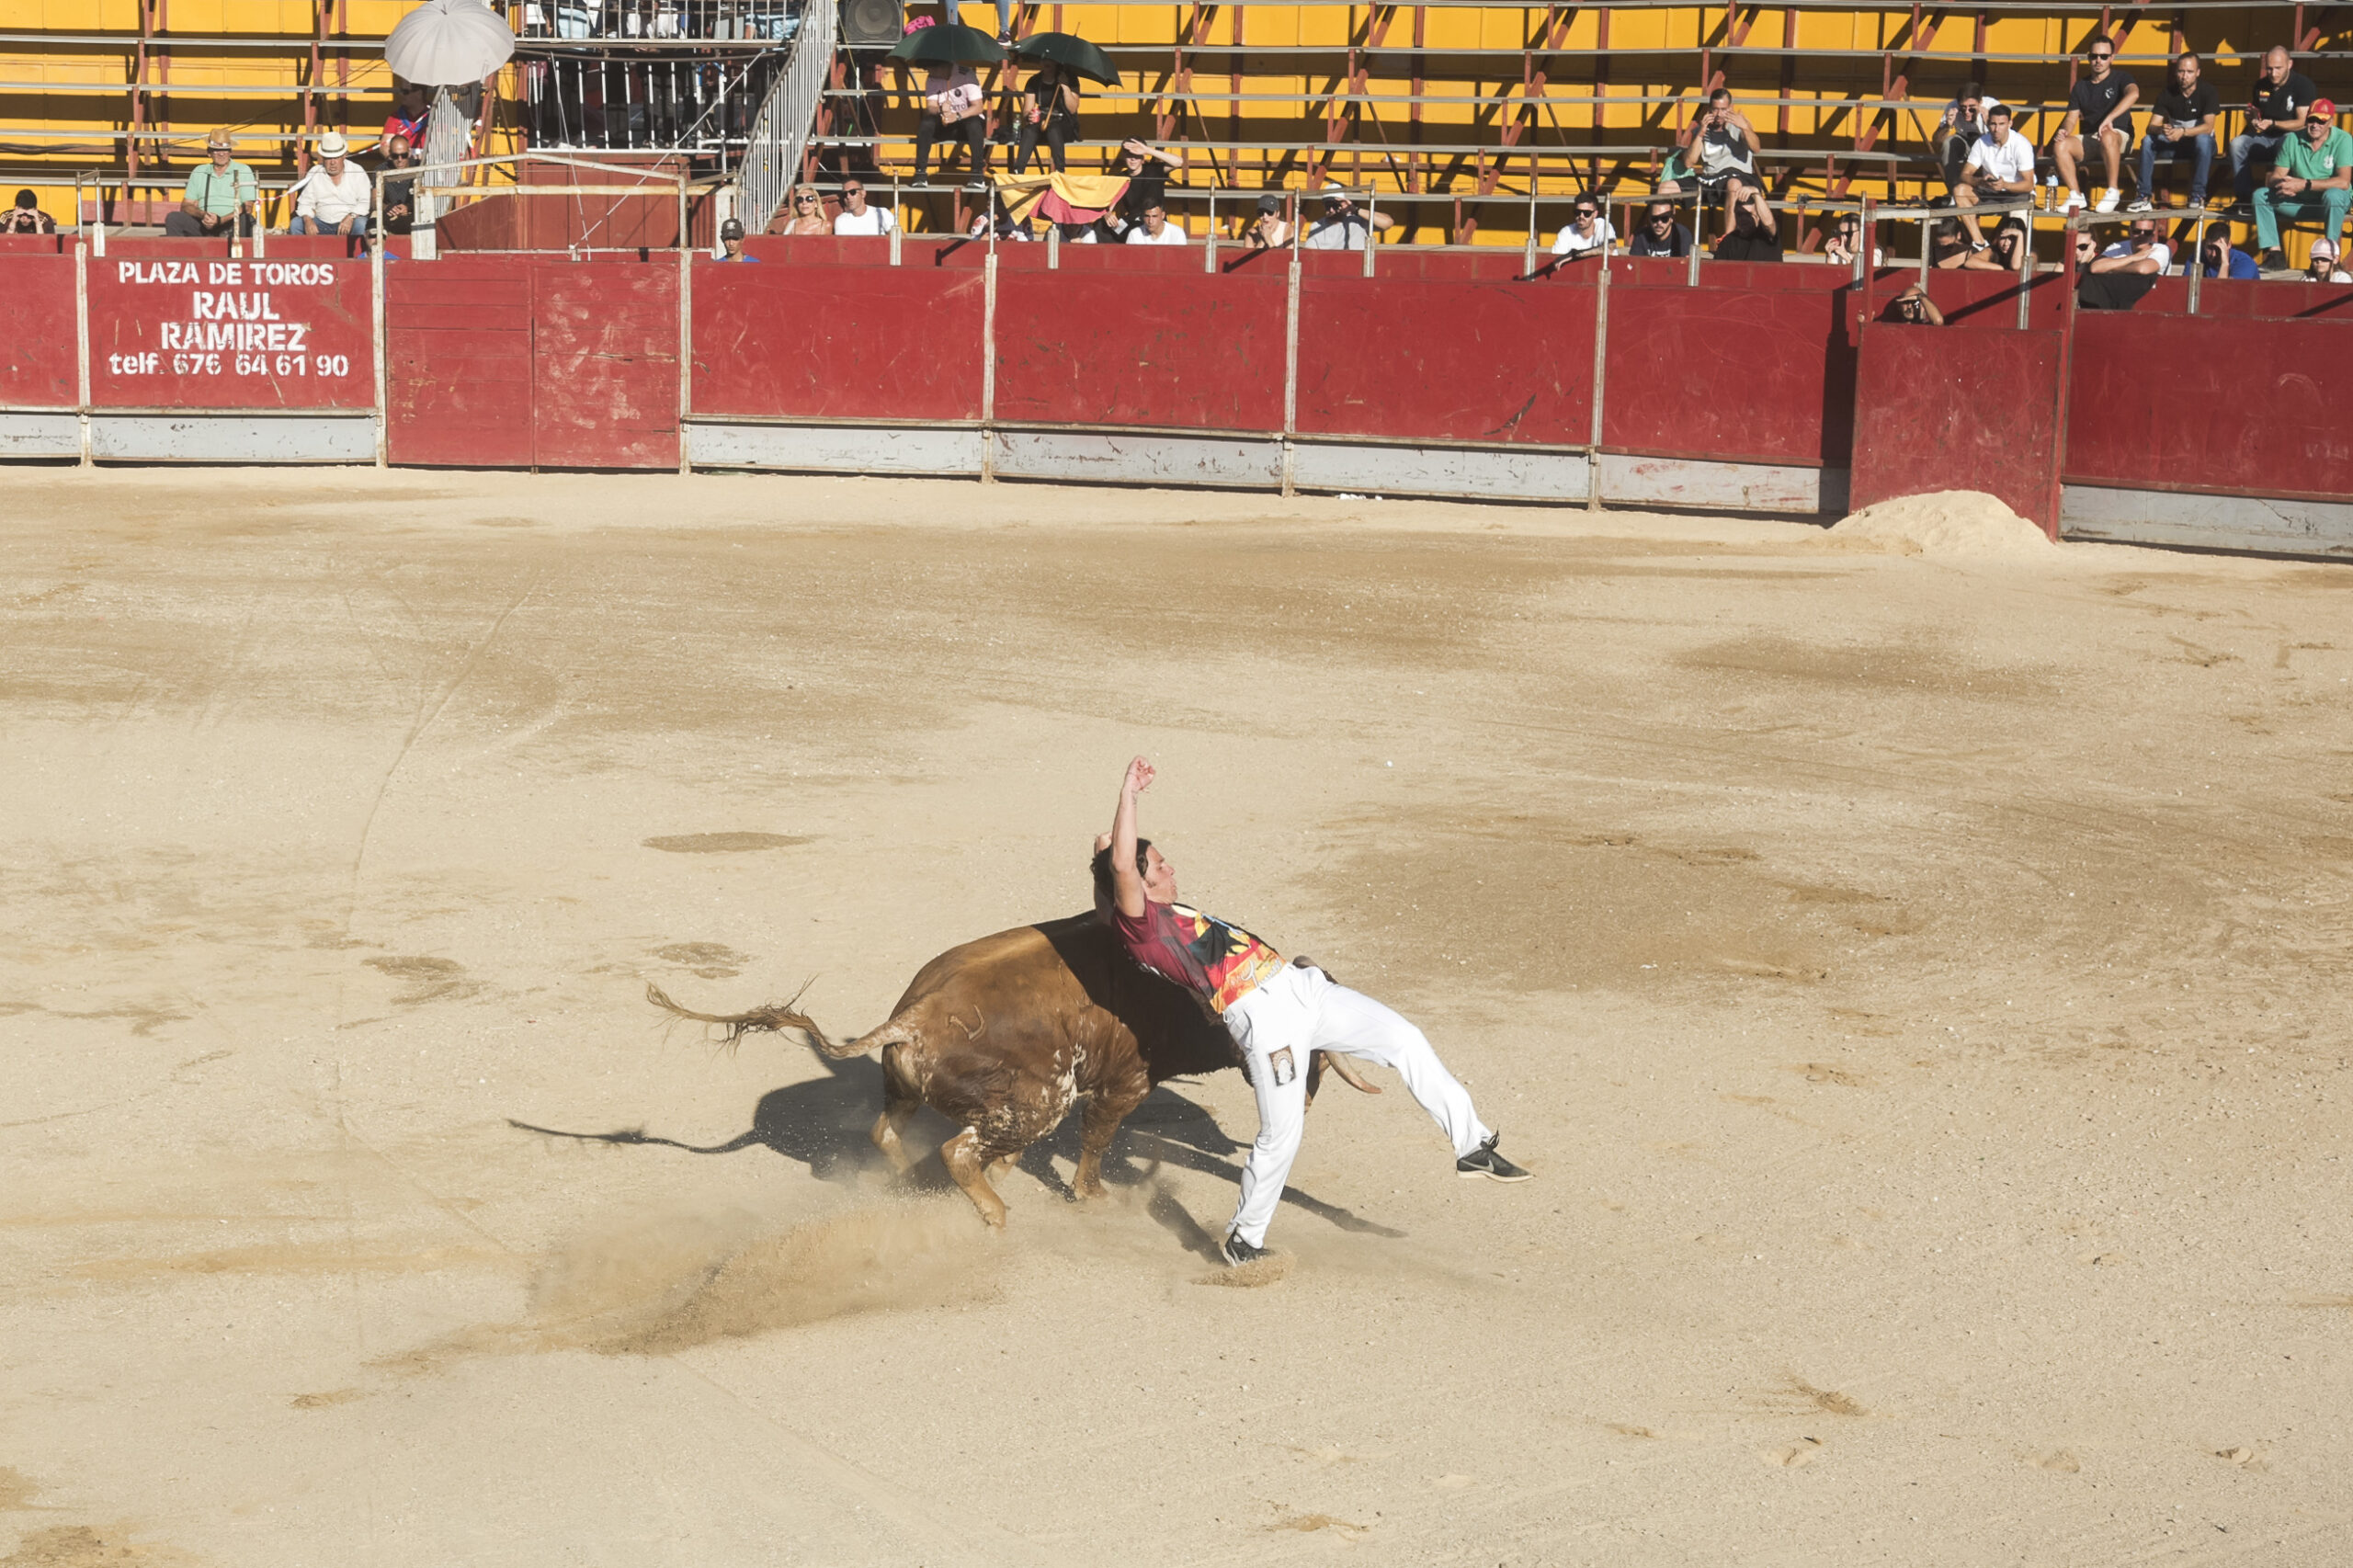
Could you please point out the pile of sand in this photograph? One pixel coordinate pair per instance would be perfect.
(1945, 522)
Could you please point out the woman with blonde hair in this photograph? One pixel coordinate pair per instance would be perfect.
(807, 215)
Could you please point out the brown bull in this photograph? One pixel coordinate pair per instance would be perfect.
(1005, 1035)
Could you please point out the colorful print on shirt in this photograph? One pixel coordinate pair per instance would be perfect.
(1219, 963)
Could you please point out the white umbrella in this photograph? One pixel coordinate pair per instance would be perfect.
(448, 43)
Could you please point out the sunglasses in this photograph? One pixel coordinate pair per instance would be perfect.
(2103, 57)
(804, 199)
(1585, 212)
(853, 190)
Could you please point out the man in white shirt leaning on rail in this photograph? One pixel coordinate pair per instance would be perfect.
(333, 197)
(856, 217)
(2000, 171)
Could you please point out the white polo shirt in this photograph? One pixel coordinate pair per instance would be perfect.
(1170, 234)
(2013, 160)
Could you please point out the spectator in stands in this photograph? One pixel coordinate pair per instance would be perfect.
(26, 218)
(1999, 173)
(2283, 98)
(1914, 307)
(2118, 277)
(953, 111)
(856, 217)
(2182, 122)
(2222, 259)
(1660, 234)
(400, 195)
(1342, 227)
(1587, 235)
(1949, 250)
(805, 214)
(406, 120)
(1152, 227)
(1078, 234)
(731, 243)
(2323, 267)
(1269, 230)
(1147, 168)
(1719, 146)
(2140, 250)
(1049, 107)
(2308, 178)
(1846, 237)
(2010, 244)
(2099, 113)
(219, 195)
(334, 198)
(1755, 234)
(2087, 251)
(1965, 125)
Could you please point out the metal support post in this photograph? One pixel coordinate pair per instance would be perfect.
(82, 344)
(685, 334)
(376, 326)
(2026, 267)
(1372, 226)
(988, 364)
(1290, 362)
(1600, 382)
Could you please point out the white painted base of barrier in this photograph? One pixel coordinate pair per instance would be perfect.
(835, 449)
(1678, 482)
(307, 437)
(1449, 474)
(40, 435)
(1144, 458)
(2209, 522)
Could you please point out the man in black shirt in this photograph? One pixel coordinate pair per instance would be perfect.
(1660, 234)
(2277, 111)
(2099, 110)
(1755, 235)
(2184, 124)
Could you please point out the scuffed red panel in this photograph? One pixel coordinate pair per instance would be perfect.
(1730, 374)
(1940, 409)
(890, 344)
(458, 363)
(604, 366)
(2232, 405)
(37, 331)
(1144, 345)
(1404, 359)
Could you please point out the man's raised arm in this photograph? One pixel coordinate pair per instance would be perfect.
(1125, 882)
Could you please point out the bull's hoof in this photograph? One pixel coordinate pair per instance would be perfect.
(1089, 1192)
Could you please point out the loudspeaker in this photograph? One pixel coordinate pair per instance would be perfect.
(869, 22)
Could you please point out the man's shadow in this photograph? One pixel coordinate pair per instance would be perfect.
(823, 1124)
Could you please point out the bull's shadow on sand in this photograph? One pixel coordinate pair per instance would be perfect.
(824, 1123)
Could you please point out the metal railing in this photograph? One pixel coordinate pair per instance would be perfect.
(780, 136)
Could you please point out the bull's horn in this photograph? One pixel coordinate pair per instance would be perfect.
(1318, 1061)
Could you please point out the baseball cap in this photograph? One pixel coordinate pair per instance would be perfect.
(730, 230)
(1270, 205)
(2323, 108)
(2324, 250)
(333, 145)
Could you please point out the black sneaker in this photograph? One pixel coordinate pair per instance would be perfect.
(1484, 1162)
(1237, 1252)
(2275, 259)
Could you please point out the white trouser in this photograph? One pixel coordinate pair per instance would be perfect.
(1301, 1010)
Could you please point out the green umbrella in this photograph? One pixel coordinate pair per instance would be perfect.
(1071, 51)
(949, 45)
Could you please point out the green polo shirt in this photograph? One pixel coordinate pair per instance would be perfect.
(220, 193)
(2300, 159)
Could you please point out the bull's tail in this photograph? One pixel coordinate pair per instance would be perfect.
(773, 1018)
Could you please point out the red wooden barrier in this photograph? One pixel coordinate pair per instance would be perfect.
(1402, 359)
(180, 331)
(1181, 349)
(885, 344)
(458, 359)
(604, 366)
(1734, 373)
(2223, 406)
(1940, 409)
(37, 338)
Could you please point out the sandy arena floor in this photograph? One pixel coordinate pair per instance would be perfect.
(1917, 981)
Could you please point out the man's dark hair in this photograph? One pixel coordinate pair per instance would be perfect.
(1720, 96)
(2096, 40)
(2001, 109)
(2191, 55)
(1973, 90)
(27, 198)
(1105, 891)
